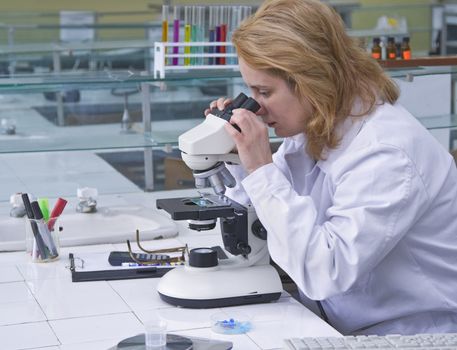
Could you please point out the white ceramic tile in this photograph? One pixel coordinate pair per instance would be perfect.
(95, 345)
(27, 336)
(88, 329)
(61, 298)
(139, 294)
(265, 312)
(180, 318)
(44, 271)
(274, 322)
(240, 341)
(20, 312)
(14, 292)
(13, 258)
(10, 274)
(95, 248)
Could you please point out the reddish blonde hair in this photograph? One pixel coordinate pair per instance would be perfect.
(305, 43)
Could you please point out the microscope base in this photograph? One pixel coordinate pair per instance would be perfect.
(214, 287)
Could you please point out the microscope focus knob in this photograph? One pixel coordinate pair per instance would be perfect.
(244, 248)
(202, 257)
(259, 230)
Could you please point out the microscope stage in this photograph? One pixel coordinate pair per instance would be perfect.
(199, 208)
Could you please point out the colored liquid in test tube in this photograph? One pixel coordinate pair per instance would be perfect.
(217, 27)
(223, 32)
(193, 35)
(176, 34)
(165, 14)
(187, 33)
(213, 11)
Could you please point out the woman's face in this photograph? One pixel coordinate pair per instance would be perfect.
(281, 108)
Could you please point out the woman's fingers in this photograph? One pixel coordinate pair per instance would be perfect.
(220, 104)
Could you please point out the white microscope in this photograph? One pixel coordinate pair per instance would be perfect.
(241, 273)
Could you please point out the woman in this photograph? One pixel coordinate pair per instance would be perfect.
(360, 201)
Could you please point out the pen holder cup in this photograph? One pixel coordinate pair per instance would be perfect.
(42, 239)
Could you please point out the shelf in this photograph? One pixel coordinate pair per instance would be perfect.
(106, 79)
(432, 63)
(439, 122)
(21, 98)
(87, 80)
(164, 135)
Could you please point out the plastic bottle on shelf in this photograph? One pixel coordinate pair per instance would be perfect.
(376, 49)
(405, 49)
(391, 48)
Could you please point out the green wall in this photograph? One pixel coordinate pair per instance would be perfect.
(417, 13)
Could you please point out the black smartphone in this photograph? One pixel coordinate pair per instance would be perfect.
(118, 258)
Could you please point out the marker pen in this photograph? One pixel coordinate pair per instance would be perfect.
(38, 239)
(56, 211)
(44, 207)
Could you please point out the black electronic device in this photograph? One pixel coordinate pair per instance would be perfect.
(117, 258)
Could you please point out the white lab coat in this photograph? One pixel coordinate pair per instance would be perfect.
(372, 230)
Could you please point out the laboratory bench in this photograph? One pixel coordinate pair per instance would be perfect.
(41, 308)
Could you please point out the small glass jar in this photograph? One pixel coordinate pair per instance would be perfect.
(42, 239)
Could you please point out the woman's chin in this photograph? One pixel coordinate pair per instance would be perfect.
(281, 133)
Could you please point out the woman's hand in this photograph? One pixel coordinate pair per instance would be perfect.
(220, 104)
(252, 143)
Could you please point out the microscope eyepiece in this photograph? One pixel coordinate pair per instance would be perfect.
(238, 101)
(241, 101)
(251, 105)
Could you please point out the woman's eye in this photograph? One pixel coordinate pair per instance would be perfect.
(264, 93)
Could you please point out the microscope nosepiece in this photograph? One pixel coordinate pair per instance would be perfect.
(201, 182)
(217, 183)
(228, 178)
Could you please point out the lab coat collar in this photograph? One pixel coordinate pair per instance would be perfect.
(348, 130)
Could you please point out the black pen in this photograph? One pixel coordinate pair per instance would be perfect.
(38, 239)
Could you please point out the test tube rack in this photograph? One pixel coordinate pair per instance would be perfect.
(162, 56)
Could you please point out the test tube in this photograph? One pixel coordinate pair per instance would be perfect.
(193, 35)
(200, 24)
(187, 32)
(176, 24)
(217, 27)
(223, 31)
(246, 12)
(235, 19)
(212, 32)
(165, 14)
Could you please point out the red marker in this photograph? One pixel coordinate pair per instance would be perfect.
(56, 211)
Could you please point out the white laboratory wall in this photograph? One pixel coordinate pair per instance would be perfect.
(428, 96)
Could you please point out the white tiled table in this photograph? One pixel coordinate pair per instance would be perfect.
(40, 308)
